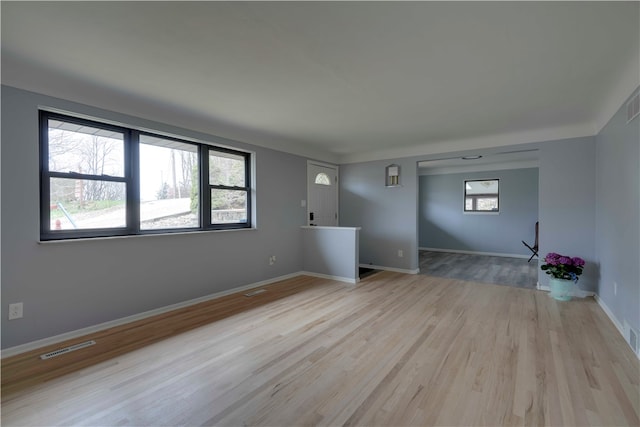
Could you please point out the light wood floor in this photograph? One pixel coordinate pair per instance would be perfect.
(392, 350)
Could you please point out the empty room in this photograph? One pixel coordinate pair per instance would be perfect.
(320, 213)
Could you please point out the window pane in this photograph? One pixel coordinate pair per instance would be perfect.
(468, 204)
(226, 169)
(322, 179)
(481, 195)
(228, 206)
(85, 149)
(487, 204)
(169, 190)
(84, 204)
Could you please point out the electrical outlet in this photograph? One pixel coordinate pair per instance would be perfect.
(15, 311)
(400, 253)
(272, 259)
(615, 288)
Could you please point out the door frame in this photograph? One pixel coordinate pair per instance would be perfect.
(326, 165)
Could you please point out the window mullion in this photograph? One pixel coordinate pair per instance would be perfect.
(132, 162)
(247, 183)
(205, 188)
(45, 193)
(83, 176)
(228, 187)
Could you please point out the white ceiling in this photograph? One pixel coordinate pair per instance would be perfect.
(339, 81)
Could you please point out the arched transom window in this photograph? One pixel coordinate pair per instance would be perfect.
(322, 179)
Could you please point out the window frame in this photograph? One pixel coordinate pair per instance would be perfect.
(475, 197)
(131, 178)
(206, 210)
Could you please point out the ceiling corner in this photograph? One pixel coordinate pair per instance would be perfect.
(620, 91)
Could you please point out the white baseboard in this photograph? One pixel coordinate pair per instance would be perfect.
(610, 314)
(619, 326)
(23, 348)
(606, 310)
(456, 251)
(327, 276)
(397, 270)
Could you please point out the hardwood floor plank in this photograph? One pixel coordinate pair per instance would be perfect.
(394, 349)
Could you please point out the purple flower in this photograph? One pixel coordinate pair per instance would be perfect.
(577, 261)
(563, 267)
(564, 260)
(552, 258)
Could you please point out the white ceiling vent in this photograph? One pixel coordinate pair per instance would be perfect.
(633, 107)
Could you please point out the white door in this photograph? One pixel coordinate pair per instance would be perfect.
(322, 195)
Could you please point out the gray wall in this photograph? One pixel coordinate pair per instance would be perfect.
(444, 225)
(567, 204)
(618, 216)
(388, 216)
(331, 251)
(70, 285)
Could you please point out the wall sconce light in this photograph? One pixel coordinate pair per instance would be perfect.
(392, 178)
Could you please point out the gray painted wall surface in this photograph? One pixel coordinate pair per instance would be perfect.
(388, 216)
(567, 204)
(618, 216)
(331, 250)
(444, 225)
(70, 285)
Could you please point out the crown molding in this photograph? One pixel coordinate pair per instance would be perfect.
(622, 89)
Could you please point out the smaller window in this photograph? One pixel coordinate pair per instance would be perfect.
(481, 195)
(229, 190)
(322, 179)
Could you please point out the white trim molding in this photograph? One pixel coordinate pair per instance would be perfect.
(327, 276)
(23, 348)
(623, 88)
(611, 316)
(619, 326)
(396, 270)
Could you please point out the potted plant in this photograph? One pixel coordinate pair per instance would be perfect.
(564, 272)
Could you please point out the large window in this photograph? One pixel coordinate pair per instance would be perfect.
(169, 184)
(481, 195)
(103, 180)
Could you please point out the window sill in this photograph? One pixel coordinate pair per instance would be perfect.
(481, 213)
(136, 236)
